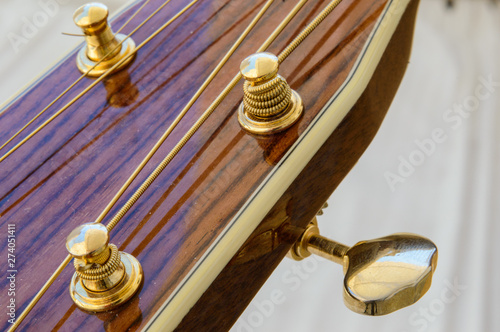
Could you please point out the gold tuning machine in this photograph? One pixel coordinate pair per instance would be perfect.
(381, 275)
(104, 277)
(103, 49)
(269, 104)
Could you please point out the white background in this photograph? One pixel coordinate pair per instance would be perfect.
(451, 196)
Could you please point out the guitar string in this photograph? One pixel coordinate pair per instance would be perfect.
(90, 69)
(107, 73)
(150, 154)
(72, 34)
(135, 14)
(117, 32)
(177, 148)
(282, 56)
(183, 112)
(68, 259)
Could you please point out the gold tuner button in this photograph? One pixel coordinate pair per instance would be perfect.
(381, 275)
(259, 67)
(269, 104)
(103, 49)
(104, 277)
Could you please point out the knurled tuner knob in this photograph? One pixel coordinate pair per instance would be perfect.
(269, 104)
(381, 275)
(104, 277)
(102, 49)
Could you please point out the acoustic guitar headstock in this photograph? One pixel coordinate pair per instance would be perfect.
(195, 146)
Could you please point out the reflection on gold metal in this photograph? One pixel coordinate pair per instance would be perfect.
(103, 49)
(381, 275)
(269, 105)
(104, 277)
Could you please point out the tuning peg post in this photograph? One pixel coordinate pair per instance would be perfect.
(103, 48)
(105, 277)
(269, 104)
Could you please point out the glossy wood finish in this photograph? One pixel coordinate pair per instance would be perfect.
(233, 289)
(69, 171)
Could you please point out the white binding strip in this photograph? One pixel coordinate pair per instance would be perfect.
(272, 188)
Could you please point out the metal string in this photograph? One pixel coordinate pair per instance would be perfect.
(148, 157)
(186, 108)
(282, 56)
(61, 267)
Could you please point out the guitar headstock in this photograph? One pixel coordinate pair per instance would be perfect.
(212, 227)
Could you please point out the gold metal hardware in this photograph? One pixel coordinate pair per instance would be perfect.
(283, 55)
(381, 275)
(320, 212)
(269, 105)
(104, 277)
(103, 49)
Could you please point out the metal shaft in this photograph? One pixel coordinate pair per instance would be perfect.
(326, 248)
